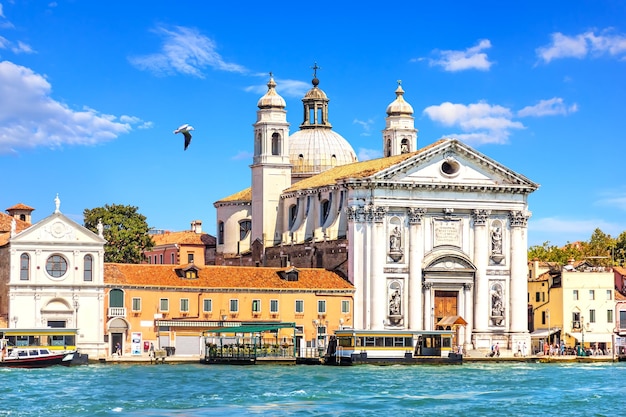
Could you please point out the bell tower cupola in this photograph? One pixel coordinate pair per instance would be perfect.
(400, 135)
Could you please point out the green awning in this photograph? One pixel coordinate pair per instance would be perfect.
(251, 328)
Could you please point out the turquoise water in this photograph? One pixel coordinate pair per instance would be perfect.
(472, 389)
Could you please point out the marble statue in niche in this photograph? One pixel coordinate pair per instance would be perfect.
(497, 305)
(395, 244)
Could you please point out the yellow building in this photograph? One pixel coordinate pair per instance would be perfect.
(170, 306)
(574, 304)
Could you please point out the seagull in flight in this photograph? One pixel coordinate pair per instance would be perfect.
(185, 130)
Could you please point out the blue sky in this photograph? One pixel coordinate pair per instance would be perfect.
(91, 92)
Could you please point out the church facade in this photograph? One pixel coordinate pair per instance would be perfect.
(424, 235)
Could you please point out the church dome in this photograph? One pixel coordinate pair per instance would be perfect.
(312, 151)
(399, 106)
(271, 99)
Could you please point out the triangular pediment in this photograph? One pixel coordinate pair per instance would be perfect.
(453, 165)
(57, 228)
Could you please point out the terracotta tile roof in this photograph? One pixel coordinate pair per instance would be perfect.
(243, 195)
(5, 227)
(20, 206)
(186, 237)
(620, 270)
(356, 170)
(231, 277)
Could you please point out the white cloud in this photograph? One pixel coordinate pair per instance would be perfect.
(30, 117)
(480, 122)
(561, 230)
(366, 154)
(1, 12)
(22, 48)
(242, 155)
(286, 88)
(470, 58)
(584, 44)
(366, 125)
(185, 51)
(617, 201)
(551, 107)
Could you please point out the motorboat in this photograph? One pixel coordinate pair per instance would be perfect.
(27, 357)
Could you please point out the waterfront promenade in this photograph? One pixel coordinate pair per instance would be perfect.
(471, 356)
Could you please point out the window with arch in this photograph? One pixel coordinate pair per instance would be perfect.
(293, 212)
(116, 298)
(388, 148)
(257, 145)
(325, 211)
(333, 160)
(173, 258)
(88, 268)
(405, 145)
(23, 217)
(24, 267)
(275, 144)
(220, 233)
(245, 226)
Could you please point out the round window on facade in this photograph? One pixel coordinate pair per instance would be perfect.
(56, 266)
(450, 167)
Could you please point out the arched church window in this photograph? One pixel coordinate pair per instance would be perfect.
(245, 226)
(388, 148)
(24, 267)
(333, 160)
(220, 233)
(293, 212)
(405, 145)
(275, 144)
(23, 217)
(257, 145)
(88, 268)
(325, 211)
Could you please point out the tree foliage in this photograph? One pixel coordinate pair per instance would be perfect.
(125, 230)
(600, 250)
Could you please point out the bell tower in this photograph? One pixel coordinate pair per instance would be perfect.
(271, 169)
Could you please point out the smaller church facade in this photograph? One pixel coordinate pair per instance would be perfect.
(54, 279)
(424, 235)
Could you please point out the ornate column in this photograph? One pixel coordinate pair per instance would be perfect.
(481, 261)
(519, 271)
(376, 251)
(416, 254)
(356, 273)
(468, 314)
(428, 309)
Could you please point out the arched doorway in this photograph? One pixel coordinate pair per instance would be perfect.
(448, 281)
(117, 331)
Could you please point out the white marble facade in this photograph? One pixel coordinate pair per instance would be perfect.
(442, 228)
(56, 280)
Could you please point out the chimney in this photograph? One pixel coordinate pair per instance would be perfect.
(196, 226)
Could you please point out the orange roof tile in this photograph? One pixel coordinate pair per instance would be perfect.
(620, 270)
(186, 237)
(20, 206)
(356, 170)
(5, 227)
(243, 195)
(222, 277)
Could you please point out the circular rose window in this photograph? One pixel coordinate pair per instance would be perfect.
(56, 266)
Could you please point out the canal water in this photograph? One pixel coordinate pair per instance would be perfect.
(471, 389)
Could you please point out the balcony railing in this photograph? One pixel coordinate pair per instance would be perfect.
(117, 312)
